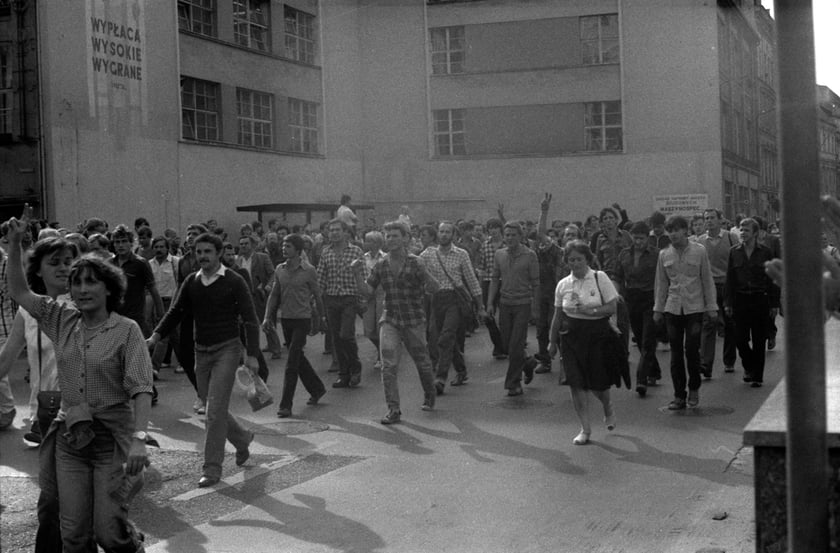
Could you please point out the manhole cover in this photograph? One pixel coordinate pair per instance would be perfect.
(291, 427)
(519, 403)
(702, 411)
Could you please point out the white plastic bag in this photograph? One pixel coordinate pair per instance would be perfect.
(255, 389)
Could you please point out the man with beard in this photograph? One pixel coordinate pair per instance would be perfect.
(451, 267)
(218, 299)
(404, 279)
(338, 284)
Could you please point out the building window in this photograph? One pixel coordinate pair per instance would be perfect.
(449, 133)
(300, 35)
(5, 8)
(303, 126)
(6, 92)
(199, 109)
(255, 120)
(602, 127)
(197, 16)
(599, 39)
(448, 50)
(250, 23)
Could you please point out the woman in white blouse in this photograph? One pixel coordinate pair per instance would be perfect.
(584, 302)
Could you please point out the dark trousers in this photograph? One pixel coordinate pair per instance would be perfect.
(446, 335)
(640, 310)
(499, 347)
(709, 337)
(546, 314)
(684, 336)
(186, 348)
(341, 318)
(513, 322)
(295, 332)
(751, 313)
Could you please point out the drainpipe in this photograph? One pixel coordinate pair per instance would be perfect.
(807, 456)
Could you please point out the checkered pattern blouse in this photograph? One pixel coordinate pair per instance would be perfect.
(404, 292)
(108, 368)
(487, 255)
(335, 277)
(458, 267)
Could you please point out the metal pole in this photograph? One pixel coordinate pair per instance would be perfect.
(807, 457)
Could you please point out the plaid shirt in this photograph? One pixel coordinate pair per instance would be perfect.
(485, 263)
(108, 368)
(404, 292)
(335, 277)
(458, 266)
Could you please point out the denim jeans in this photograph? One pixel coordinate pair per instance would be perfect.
(513, 323)
(684, 336)
(709, 337)
(341, 318)
(297, 365)
(414, 340)
(215, 371)
(86, 477)
(446, 335)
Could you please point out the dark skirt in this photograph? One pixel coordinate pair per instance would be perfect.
(587, 355)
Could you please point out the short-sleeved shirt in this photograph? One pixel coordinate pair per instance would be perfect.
(297, 286)
(575, 294)
(404, 292)
(519, 274)
(166, 275)
(106, 368)
(139, 277)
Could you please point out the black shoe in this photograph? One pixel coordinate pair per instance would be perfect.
(355, 380)
(500, 356)
(313, 399)
(771, 343)
(242, 455)
(208, 481)
(460, 379)
(707, 373)
(641, 389)
(528, 370)
(284, 413)
(391, 418)
(154, 395)
(439, 387)
(757, 384)
(677, 404)
(748, 378)
(34, 434)
(517, 391)
(341, 383)
(543, 368)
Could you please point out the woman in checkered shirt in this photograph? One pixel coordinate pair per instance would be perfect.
(105, 376)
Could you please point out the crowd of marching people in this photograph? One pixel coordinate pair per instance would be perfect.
(101, 311)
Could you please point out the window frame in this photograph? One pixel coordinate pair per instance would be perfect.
(6, 89)
(455, 140)
(449, 51)
(600, 40)
(303, 132)
(191, 115)
(188, 17)
(602, 126)
(252, 10)
(299, 35)
(250, 123)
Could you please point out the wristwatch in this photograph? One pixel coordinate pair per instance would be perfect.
(140, 435)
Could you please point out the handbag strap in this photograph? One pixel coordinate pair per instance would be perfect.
(442, 266)
(40, 368)
(598, 284)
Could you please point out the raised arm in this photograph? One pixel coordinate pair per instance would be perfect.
(15, 277)
(545, 204)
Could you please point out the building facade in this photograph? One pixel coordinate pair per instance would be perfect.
(829, 129)
(182, 111)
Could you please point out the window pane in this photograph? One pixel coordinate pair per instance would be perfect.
(609, 26)
(588, 27)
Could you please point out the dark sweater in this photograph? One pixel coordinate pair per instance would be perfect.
(216, 311)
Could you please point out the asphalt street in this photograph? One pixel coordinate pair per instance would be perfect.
(482, 472)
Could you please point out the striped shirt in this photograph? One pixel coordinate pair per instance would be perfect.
(458, 266)
(335, 277)
(107, 367)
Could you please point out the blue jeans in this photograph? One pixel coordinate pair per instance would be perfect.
(341, 318)
(85, 478)
(297, 365)
(684, 336)
(513, 324)
(414, 340)
(215, 371)
(710, 329)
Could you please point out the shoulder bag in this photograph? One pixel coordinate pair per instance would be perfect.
(617, 347)
(465, 301)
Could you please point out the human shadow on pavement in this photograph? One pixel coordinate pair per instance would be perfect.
(478, 444)
(713, 470)
(372, 430)
(312, 523)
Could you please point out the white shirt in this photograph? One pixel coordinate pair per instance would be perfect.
(166, 275)
(245, 262)
(208, 280)
(576, 294)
